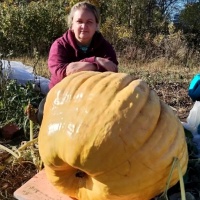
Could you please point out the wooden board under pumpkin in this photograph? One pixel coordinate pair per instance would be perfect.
(39, 188)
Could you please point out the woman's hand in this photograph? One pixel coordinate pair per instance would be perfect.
(79, 66)
(107, 64)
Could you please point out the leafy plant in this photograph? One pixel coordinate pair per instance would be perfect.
(13, 100)
(25, 26)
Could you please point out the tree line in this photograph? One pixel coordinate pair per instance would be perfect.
(29, 25)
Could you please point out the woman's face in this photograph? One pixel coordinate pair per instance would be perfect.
(84, 26)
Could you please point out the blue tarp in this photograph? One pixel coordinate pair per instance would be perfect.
(194, 89)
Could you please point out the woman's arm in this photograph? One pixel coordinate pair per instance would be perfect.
(59, 59)
(80, 66)
(105, 57)
(107, 64)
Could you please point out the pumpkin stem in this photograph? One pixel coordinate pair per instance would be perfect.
(80, 174)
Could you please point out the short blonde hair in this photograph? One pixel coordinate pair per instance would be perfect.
(87, 6)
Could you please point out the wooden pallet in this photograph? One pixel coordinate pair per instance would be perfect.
(39, 188)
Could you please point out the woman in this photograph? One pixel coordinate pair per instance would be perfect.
(81, 48)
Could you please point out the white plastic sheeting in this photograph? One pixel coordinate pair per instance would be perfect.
(193, 124)
(22, 74)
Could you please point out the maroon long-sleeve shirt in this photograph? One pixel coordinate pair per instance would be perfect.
(65, 50)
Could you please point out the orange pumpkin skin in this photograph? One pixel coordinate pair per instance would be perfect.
(105, 136)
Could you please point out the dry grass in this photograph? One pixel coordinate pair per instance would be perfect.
(162, 66)
(159, 70)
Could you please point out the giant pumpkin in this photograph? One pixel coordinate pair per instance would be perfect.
(105, 136)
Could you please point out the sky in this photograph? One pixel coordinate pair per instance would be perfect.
(177, 7)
